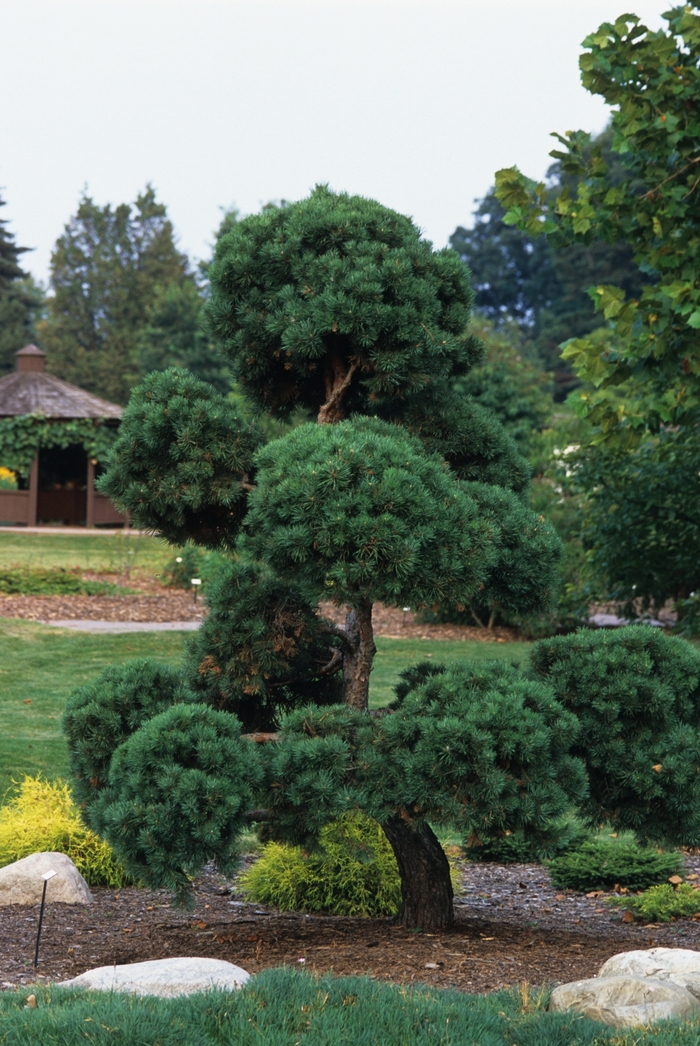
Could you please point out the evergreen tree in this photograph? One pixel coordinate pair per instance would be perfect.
(20, 298)
(336, 305)
(124, 300)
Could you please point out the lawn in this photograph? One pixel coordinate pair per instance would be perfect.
(94, 551)
(39, 666)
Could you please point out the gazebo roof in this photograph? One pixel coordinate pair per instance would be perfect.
(29, 390)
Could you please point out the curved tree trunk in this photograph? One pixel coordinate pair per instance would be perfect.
(357, 663)
(337, 378)
(426, 886)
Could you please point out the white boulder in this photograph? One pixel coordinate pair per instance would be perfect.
(677, 965)
(164, 977)
(625, 1001)
(22, 881)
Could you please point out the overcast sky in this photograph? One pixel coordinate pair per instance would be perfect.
(414, 102)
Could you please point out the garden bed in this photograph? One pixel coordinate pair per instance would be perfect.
(512, 926)
(152, 601)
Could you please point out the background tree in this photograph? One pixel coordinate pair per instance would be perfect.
(20, 299)
(649, 77)
(641, 518)
(124, 300)
(542, 286)
(508, 383)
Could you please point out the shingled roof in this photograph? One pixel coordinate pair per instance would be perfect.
(29, 390)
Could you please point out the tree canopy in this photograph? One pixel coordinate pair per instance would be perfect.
(650, 79)
(336, 304)
(124, 300)
(20, 299)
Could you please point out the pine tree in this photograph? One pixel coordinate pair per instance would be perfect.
(20, 298)
(124, 300)
(402, 491)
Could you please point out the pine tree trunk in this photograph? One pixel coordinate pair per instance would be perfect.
(358, 664)
(426, 886)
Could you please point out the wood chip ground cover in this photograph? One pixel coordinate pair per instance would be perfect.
(511, 927)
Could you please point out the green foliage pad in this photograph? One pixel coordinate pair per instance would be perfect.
(636, 694)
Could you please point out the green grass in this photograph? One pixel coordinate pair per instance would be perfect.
(393, 655)
(41, 665)
(99, 552)
(291, 1008)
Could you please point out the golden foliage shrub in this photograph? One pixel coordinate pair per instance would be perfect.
(43, 817)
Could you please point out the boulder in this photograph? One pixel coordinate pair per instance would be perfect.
(21, 882)
(677, 965)
(164, 977)
(625, 1001)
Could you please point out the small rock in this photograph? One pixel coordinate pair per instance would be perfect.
(21, 882)
(677, 965)
(625, 1001)
(164, 977)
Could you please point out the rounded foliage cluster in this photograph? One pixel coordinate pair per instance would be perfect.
(351, 872)
(636, 695)
(468, 436)
(476, 746)
(181, 787)
(262, 649)
(301, 289)
(102, 714)
(183, 459)
(358, 510)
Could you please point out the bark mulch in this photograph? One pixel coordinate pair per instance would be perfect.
(154, 602)
(512, 927)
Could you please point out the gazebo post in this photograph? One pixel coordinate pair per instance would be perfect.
(33, 492)
(90, 506)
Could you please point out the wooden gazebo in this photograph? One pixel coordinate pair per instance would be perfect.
(61, 483)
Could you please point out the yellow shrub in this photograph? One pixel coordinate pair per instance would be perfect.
(44, 817)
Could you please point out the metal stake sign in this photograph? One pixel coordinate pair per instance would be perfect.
(46, 876)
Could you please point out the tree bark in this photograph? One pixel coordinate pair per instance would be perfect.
(337, 378)
(357, 663)
(426, 886)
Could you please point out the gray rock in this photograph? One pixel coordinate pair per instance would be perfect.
(677, 965)
(625, 1001)
(21, 882)
(164, 977)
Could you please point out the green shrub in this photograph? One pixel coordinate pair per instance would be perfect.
(43, 817)
(601, 864)
(262, 648)
(184, 783)
(53, 581)
(564, 834)
(104, 713)
(661, 903)
(636, 695)
(353, 872)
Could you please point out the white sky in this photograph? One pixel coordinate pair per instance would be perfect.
(219, 102)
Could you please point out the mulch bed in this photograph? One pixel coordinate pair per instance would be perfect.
(511, 927)
(155, 602)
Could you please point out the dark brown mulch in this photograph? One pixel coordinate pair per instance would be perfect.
(155, 602)
(394, 623)
(511, 927)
